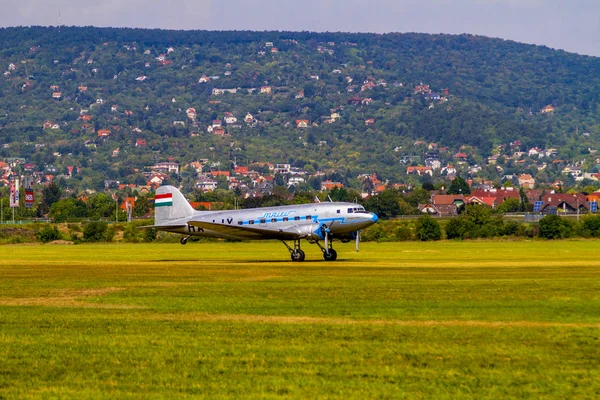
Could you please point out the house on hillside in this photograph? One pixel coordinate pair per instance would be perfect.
(526, 181)
(329, 185)
(547, 110)
(440, 210)
(103, 133)
(191, 113)
(419, 170)
(166, 167)
(229, 118)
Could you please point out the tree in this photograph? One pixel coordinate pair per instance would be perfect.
(100, 205)
(428, 185)
(141, 206)
(50, 195)
(68, 209)
(509, 205)
(459, 186)
(523, 199)
(428, 228)
(385, 204)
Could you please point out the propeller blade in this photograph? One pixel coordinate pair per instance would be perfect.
(327, 242)
(357, 240)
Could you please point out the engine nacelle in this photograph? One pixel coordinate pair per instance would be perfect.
(312, 232)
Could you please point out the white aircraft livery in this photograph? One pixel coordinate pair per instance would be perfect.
(314, 222)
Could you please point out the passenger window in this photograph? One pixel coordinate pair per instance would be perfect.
(350, 211)
(296, 218)
(240, 222)
(285, 219)
(251, 222)
(308, 217)
(339, 211)
(273, 219)
(262, 221)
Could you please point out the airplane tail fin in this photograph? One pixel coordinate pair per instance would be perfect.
(170, 205)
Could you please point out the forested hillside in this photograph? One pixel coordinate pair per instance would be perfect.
(111, 102)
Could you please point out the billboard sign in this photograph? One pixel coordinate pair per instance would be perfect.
(29, 196)
(14, 192)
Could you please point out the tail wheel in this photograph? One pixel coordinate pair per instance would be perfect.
(330, 256)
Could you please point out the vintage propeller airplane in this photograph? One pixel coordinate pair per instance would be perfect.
(314, 222)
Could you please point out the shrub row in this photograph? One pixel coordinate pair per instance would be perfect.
(479, 222)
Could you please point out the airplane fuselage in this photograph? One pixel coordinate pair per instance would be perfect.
(302, 220)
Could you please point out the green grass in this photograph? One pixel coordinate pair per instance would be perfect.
(448, 320)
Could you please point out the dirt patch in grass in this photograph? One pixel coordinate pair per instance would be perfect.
(344, 321)
(60, 242)
(72, 298)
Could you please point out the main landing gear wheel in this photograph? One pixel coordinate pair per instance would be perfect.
(184, 240)
(298, 255)
(330, 256)
(295, 252)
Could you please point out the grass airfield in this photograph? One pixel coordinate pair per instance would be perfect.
(482, 319)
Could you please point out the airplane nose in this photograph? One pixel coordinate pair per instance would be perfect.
(374, 217)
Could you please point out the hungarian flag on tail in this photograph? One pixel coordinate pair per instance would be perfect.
(163, 200)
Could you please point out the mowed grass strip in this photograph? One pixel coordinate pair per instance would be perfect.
(239, 320)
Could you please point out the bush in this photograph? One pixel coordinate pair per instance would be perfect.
(591, 226)
(403, 233)
(48, 233)
(14, 235)
(133, 234)
(554, 227)
(510, 228)
(374, 233)
(97, 231)
(459, 228)
(428, 228)
(528, 230)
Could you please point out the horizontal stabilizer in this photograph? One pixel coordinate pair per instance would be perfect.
(161, 227)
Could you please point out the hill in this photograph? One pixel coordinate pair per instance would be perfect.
(112, 102)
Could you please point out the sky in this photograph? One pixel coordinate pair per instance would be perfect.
(570, 25)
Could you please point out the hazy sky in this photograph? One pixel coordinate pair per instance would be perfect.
(572, 25)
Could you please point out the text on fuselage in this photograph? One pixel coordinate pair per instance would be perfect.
(277, 214)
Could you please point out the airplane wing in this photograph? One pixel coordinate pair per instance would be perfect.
(254, 232)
